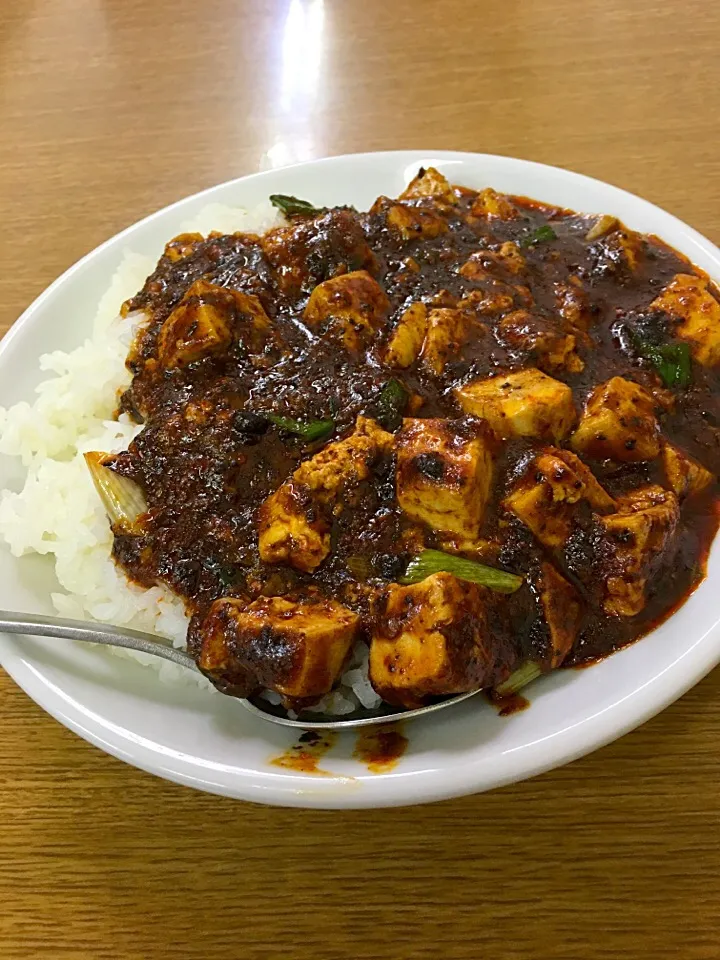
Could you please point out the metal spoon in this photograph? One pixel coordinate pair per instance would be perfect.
(37, 626)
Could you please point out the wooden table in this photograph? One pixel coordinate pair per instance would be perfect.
(112, 108)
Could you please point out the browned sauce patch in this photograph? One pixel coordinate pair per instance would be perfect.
(305, 755)
(506, 706)
(380, 748)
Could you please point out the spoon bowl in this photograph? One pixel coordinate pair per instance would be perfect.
(57, 628)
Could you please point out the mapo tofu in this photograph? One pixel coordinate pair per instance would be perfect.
(464, 429)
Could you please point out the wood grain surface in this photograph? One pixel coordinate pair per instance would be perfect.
(110, 109)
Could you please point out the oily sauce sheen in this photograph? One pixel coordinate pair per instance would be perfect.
(208, 457)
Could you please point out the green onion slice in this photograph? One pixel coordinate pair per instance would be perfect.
(390, 405)
(672, 362)
(121, 497)
(313, 430)
(428, 562)
(541, 235)
(525, 674)
(292, 206)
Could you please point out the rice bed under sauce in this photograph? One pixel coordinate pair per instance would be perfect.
(57, 512)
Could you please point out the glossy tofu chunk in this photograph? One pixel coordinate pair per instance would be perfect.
(410, 222)
(616, 252)
(685, 476)
(481, 264)
(546, 498)
(618, 423)
(206, 321)
(695, 313)
(292, 529)
(444, 473)
(523, 404)
(429, 183)
(495, 299)
(429, 639)
(493, 206)
(447, 331)
(623, 247)
(573, 304)
(294, 522)
(636, 538)
(344, 462)
(509, 257)
(352, 306)
(540, 339)
(562, 611)
(182, 246)
(407, 338)
(592, 490)
(297, 649)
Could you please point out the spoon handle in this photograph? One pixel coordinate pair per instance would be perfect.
(36, 626)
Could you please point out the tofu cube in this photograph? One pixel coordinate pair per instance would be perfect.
(182, 246)
(595, 494)
(292, 529)
(429, 639)
(196, 328)
(523, 404)
(573, 304)
(206, 321)
(475, 267)
(487, 302)
(493, 206)
(562, 611)
(406, 340)
(509, 257)
(352, 305)
(695, 312)
(413, 222)
(429, 183)
(345, 462)
(618, 423)
(685, 476)
(636, 537)
(540, 339)
(480, 263)
(447, 331)
(545, 499)
(624, 247)
(444, 473)
(297, 649)
(294, 522)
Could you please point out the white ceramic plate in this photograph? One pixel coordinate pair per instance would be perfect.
(207, 741)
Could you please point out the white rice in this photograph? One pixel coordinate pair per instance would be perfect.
(57, 512)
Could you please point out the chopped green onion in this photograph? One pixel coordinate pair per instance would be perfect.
(541, 235)
(121, 497)
(428, 562)
(314, 430)
(292, 206)
(671, 360)
(390, 405)
(525, 674)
